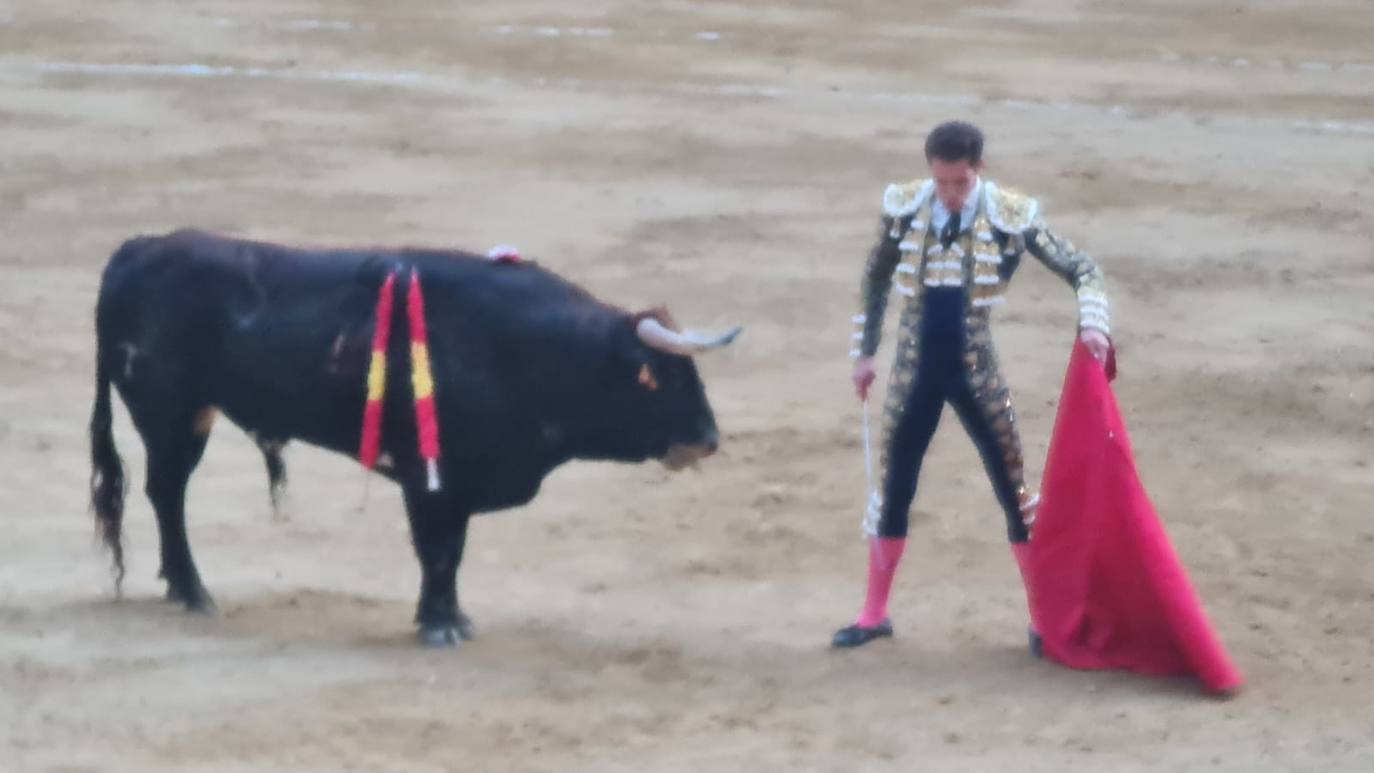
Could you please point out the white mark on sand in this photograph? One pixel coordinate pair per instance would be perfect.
(451, 84)
(546, 31)
(228, 71)
(317, 24)
(1336, 127)
(330, 25)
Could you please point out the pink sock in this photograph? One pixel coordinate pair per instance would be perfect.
(884, 553)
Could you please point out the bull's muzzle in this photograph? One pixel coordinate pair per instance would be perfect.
(683, 455)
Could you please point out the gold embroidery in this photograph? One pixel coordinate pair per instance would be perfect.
(1012, 210)
(987, 272)
(901, 199)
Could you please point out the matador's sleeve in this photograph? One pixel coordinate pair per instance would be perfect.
(874, 289)
(900, 203)
(1078, 269)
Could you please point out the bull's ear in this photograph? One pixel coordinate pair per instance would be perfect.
(630, 358)
(647, 378)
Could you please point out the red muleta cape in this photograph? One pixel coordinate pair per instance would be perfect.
(1106, 588)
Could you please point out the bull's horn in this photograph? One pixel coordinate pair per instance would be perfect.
(654, 334)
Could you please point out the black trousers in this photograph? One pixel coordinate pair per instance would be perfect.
(943, 374)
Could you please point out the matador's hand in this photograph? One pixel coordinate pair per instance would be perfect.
(864, 375)
(1097, 343)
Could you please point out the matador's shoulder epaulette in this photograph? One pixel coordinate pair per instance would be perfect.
(902, 199)
(1009, 210)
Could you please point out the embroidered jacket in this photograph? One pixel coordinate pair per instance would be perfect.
(1006, 224)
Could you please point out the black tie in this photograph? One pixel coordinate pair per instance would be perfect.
(951, 231)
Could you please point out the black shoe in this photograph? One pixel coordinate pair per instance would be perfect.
(857, 635)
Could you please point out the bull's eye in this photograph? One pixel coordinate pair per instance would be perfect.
(646, 378)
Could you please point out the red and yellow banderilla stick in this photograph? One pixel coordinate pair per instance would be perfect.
(422, 381)
(371, 442)
(421, 376)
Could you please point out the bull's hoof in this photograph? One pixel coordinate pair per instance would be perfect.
(198, 600)
(439, 636)
(1037, 645)
(202, 606)
(466, 630)
(857, 635)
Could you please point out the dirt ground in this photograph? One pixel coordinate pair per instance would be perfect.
(727, 158)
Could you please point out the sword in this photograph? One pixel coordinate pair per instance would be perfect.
(868, 448)
(873, 510)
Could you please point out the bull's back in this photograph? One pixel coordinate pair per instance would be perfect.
(197, 279)
(244, 326)
(278, 336)
(148, 295)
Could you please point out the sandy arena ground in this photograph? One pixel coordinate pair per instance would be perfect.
(726, 157)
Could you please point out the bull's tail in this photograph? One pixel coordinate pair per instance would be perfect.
(107, 472)
(112, 316)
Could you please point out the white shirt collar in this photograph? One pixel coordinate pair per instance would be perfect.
(939, 215)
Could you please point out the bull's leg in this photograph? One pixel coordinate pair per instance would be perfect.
(438, 531)
(276, 472)
(174, 449)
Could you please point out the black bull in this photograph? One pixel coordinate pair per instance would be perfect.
(530, 370)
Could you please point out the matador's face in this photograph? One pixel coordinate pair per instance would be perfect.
(954, 181)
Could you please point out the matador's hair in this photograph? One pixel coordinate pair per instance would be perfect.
(955, 141)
